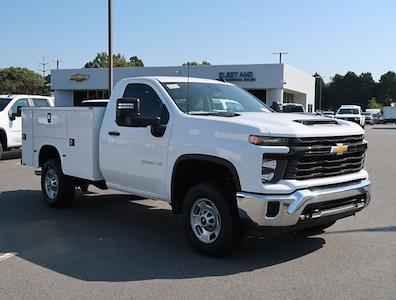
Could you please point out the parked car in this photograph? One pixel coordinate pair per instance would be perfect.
(95, 102)
(10, 120)
(368, 118)
(327, 114)
(165, 138)
(293, 108)
(352, 113)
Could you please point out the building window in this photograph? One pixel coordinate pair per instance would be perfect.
(288, 98)
(80, 96)
(259, 94)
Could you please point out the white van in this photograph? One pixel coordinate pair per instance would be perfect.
(10, 117)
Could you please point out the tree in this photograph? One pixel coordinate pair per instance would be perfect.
(373, 104)
(15, 80)
(135, 61)
(194, 63)
(386, 91)
(102, 61)
(349, 89)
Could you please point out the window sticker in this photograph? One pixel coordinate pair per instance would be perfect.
(173, 86)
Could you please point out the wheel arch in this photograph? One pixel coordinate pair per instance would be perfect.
(48, 152)
(3, 138)
(215, 166)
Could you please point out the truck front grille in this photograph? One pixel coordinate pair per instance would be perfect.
(312, 157)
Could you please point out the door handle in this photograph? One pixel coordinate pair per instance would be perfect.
(114, 133)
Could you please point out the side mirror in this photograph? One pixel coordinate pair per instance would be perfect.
(19, 111)
(128, 114)
(16, 114)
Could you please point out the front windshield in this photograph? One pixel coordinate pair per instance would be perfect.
(3, 103)
(348, 111)
(212, 98)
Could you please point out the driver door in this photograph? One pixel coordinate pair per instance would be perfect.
(15, 126)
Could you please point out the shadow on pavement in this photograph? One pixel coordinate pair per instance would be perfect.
(110, 238)
(375, 229)
(13, 154)
(384, 128)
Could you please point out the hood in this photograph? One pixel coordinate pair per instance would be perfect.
(347, 116)
(294, 125)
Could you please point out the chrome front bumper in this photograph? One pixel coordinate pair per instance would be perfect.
(259, 208)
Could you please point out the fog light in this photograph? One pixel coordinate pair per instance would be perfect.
(268, 169)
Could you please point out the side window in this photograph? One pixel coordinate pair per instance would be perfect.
(40, 102)
(150, 104)
(21, 103)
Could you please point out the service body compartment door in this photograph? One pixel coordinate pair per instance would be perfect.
(82, 154)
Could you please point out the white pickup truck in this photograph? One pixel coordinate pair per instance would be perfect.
(10, 117)
(167, 138)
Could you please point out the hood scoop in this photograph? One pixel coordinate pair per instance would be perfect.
(312, 122)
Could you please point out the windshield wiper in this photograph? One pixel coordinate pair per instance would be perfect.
(216, 114)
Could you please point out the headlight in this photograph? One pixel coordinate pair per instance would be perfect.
(268, 140)
(268, 169)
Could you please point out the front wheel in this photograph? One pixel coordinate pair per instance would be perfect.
(57, 189)
(211, 220)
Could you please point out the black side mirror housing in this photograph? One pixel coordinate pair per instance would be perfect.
(16, 114)
(19, 111)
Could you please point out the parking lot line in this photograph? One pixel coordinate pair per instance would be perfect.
(7, 256)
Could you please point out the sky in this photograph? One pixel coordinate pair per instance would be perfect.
(324, 36)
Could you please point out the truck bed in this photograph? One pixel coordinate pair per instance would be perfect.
(73, 131)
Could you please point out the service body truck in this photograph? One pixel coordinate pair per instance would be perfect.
(10, 117)
(167, 138)
(390, 114)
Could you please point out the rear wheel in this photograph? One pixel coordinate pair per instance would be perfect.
(57, 189)
(1, 150)
(211, 220)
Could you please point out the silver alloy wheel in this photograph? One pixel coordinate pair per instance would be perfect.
(51, 183)
(205, 220)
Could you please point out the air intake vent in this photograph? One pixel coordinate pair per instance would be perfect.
(317, 122)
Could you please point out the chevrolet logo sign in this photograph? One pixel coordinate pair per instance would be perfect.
(79, 77)
(339, 149)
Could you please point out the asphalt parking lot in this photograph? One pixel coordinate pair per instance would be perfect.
(110, 245)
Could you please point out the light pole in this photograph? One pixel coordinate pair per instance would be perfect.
(320, 90)
(110, 48)
(280, 55)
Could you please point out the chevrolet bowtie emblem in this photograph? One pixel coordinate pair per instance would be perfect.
(79, 77)
(339, 149)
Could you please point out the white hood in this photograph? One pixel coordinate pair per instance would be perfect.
(282, 124)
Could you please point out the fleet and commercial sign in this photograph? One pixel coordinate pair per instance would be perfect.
(237, 76)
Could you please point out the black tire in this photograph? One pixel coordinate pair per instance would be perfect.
(230, 232)
(1, 150)
(65, 188)
(317, 229)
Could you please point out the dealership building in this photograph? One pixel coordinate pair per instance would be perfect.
(270, 83)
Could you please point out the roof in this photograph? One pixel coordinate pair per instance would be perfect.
(168, 79)
(349, 106)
